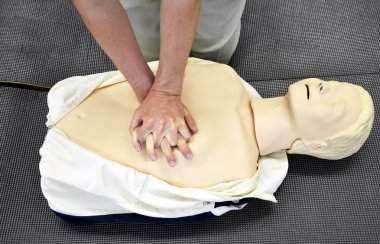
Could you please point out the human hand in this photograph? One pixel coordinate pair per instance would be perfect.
(165, 146)
(164, 117)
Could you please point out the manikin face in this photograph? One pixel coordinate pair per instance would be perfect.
(320, 109)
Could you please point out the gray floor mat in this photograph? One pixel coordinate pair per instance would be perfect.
(293, 39)
(320, 201)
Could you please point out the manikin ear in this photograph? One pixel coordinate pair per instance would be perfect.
(315, 145)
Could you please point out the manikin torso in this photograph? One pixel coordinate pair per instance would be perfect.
(224, 148)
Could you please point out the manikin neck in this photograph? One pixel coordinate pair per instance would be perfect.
(272, 123)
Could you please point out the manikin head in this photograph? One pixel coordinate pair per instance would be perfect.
(331, 119)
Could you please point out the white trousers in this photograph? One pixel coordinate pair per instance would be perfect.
(216, 36)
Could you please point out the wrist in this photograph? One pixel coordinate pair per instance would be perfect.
(141, 81)
(138, 76)
(141, 89)
(164, 93)
(172, 86)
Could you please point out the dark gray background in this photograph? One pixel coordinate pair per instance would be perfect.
(282, 41)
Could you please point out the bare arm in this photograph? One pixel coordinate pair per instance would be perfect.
(162, 112)
(110, 26)
(178, 21)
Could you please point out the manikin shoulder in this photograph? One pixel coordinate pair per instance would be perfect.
(214, 79)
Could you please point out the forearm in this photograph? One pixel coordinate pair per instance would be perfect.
(110, 26)
(178, 21)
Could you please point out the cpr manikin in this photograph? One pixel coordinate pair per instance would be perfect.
(234, 129)
(90, 169)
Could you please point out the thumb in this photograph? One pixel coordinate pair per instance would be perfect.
(135, 122)
(190, 121)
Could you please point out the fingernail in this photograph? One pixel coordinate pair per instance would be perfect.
(153, 157)
(138, 148)
(172, 163)
(189, 156)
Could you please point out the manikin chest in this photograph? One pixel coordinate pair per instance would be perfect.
(224, 147)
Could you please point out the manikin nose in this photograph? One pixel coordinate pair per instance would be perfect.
(318, 86)
(324, 87)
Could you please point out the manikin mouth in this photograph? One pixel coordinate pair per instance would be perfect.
(308, 93)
